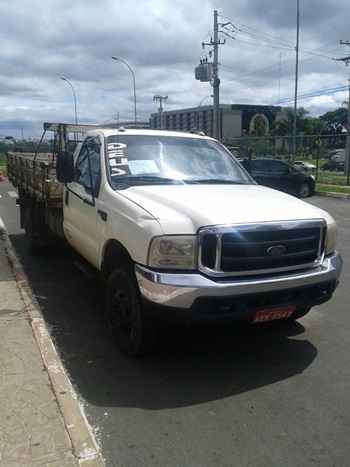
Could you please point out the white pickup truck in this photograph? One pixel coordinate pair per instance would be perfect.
(177, 228)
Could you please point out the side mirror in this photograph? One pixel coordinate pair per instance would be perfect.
(65, 167)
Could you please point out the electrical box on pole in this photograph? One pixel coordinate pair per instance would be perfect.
(204, 72)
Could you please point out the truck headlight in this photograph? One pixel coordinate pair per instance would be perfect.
(173, 252)
(331, 237)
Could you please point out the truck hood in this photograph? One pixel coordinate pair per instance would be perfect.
(185, 208)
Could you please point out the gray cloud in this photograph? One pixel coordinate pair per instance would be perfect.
(161, 39)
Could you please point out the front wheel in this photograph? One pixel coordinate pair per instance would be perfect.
(133, 332)
(304, 190)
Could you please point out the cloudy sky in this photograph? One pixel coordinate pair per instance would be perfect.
(161, 39)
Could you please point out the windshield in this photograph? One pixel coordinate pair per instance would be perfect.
(138, 159)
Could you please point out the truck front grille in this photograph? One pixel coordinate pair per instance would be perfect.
(261, 248)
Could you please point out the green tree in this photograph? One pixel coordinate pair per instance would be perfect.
(336, 123)
(285, 124)
(314, 126)
(335, 119)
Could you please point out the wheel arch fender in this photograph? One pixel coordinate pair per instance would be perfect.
(114, 254)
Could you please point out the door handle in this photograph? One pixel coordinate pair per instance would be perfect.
(66, 198)
(102, 214)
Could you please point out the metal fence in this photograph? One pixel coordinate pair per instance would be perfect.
(324, 155)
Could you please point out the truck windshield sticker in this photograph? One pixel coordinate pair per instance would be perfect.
(147, 166)
(118, 159)
(121, 147)
(118, 171)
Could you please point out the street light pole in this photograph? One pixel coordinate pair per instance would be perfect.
(296, 84)
(346, 60)
(347, 158)
(74, 97)
(133, 80)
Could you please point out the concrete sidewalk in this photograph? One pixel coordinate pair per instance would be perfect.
(32, 431)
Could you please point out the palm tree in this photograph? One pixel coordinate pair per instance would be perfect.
(284, 126)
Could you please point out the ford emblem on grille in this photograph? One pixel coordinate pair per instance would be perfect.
(276, 250)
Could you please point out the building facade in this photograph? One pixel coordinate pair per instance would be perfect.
(235, 120)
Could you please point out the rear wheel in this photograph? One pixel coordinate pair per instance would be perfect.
(304, 190)
(134, 333)
(36, 230)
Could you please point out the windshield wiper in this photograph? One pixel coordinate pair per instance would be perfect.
(217, 181)
(145, 179)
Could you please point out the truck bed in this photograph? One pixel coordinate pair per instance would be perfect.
(35, 176)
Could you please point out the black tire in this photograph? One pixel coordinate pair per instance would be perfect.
(36, 231)
(133, 332)
(304, 190)
(34, 244)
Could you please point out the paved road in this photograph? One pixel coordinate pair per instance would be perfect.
(263, 396)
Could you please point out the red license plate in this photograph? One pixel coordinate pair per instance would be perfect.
(270, 314)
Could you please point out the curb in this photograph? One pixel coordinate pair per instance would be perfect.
(331, 194)
(84, 445)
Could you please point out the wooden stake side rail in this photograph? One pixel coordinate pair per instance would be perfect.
(35, 177)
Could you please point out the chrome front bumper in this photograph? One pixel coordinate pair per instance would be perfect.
(181, 290)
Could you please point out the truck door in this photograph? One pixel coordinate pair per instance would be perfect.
(80, 197)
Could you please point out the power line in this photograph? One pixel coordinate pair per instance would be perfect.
(253, 72)
(255, 32)
(316, 93)
(254, 43)
(319, 91)
(275, 65)
(268, 39)
(263, 39)
(274, 46)
(270, 46)
(272, 40)
(266, 42)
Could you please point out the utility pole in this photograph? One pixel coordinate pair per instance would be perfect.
(296, 84)
(216, 81)
(279, 78)
(160, 99)
(346, 60)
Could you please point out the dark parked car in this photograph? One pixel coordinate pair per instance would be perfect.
(281, 176)
(334, 164)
